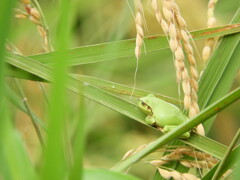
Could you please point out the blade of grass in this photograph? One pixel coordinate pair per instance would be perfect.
(12, 71)
(206, 145)
(54, 164)
(15, 163)
(109, 86)
(6, 11)
(18, 102)
(117, 88)
(13, 157)
(79, 144)
(236, 172)
(31, 115)
(186, 126)
(44, 92)
(125, 48)
(230, 148)
(220, 71)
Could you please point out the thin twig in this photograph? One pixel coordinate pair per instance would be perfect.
(40, 137)
(44, 93)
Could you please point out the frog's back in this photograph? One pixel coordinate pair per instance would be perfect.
(167, 113)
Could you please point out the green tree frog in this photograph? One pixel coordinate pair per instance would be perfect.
(161, 114)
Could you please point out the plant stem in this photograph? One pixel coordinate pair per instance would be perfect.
(40, 137)
(44, 92)
(233, 143)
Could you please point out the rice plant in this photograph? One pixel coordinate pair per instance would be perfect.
(120, 90)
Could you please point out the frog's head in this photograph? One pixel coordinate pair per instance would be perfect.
(146, 104)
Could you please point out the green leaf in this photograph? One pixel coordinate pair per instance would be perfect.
(207, 145)
(117, 88)
(18, 102)
(103, 174)
(55, 160)
(220, 71)
(219, 170)
(15, 163)
(79, 143)
(125, 48)
(109, 86)
(237, 160)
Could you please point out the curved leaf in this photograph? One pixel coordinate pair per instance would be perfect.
(125, 48)
(218, 76)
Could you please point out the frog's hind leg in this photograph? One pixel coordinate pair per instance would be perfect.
(170, 128)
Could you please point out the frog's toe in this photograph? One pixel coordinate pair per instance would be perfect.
(168, 128)
(185, 135)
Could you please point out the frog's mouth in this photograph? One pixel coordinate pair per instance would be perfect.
(154, 125)
(147, 109)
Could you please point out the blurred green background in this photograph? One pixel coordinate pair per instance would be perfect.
(111, 134)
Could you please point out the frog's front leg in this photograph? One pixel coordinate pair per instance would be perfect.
(150, 120)
(170, 128)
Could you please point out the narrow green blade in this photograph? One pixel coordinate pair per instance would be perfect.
(220, 71)
(54, 162)
(125, 48)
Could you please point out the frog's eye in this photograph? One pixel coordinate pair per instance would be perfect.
(145, 105)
